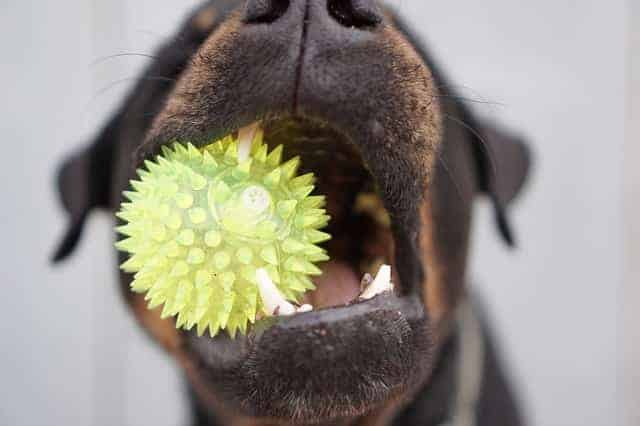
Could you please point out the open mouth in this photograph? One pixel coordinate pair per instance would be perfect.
(355, 340)
(362, 247)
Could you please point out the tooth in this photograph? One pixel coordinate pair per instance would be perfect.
(274, 302)
(381, 283)
(304, 308)
(245, 140)
(366, 280)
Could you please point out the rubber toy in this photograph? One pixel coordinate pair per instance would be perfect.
(202, 224)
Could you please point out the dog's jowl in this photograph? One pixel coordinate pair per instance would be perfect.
(344, 85)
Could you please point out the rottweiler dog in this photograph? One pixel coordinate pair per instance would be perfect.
(401, 158)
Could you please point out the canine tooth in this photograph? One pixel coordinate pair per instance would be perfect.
(245, 140)
(274, 302)
(381, 283)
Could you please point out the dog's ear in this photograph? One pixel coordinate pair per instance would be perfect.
(84, 183)
(502, 158)
(503, 162)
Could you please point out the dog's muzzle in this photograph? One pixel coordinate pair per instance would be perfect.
(338, 85)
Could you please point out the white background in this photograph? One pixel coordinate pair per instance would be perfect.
(560, 71)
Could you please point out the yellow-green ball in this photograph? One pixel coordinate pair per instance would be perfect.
(201, 221)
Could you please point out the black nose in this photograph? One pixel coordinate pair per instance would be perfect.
(355, 13)
(349, 13)
(264, 11)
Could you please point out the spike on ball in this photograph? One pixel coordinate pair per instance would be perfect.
(200, 222)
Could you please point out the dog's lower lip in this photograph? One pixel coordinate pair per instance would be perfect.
(363, 352)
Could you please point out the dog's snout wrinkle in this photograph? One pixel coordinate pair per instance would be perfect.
(299, 68)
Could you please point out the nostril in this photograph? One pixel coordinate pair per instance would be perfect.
(355, 13)
(264, 11)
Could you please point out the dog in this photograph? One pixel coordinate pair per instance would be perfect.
(401, 158)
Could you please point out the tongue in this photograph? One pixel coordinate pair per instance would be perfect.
(338, 285)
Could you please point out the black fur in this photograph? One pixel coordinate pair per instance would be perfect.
(372, 87)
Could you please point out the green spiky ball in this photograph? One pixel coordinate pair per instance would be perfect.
(200, 222)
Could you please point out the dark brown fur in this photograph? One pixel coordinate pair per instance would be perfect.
(430, 157)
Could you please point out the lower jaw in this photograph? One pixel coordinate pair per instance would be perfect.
(323, 365)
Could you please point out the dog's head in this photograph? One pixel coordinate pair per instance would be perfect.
(341, 83)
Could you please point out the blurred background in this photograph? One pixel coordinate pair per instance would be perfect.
(565, 305)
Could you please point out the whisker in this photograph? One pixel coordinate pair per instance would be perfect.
(485, 146)
(161, 36)
(451, 92)
(119, 55)
(465, 99)
(451, 178)
(116, 83)
(464, 87)
(127, 79)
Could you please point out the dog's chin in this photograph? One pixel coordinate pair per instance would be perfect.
(351, 354)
